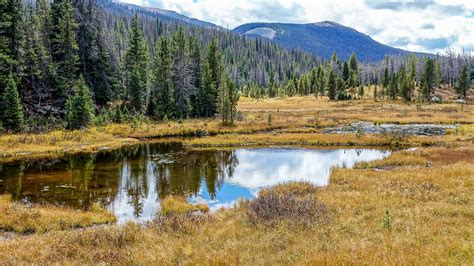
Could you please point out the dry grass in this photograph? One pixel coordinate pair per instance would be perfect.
(301, 115)
(176, 205)
(56, 143)
(23, 219)
(429, 222)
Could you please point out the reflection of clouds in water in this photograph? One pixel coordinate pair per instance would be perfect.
(260, 168)
(256, 169)
(123, 207)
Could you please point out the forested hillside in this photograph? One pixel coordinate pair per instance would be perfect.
(246, 59)
(54, 53)
(322, 39)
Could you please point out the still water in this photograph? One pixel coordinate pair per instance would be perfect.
(130, 181)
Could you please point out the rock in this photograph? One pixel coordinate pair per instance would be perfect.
(460, 101)
(435, 99)
(411, 129)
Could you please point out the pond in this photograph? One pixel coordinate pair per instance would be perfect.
(130, 181)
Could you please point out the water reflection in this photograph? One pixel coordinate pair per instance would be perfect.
(130, 181)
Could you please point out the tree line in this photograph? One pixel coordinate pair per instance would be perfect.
(409, 78)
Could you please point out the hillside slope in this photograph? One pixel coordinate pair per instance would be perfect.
(322, 39)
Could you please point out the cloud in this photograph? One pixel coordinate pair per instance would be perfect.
(426, 26)
(435, 43)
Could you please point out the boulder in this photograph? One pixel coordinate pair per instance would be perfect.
(460, 101)
(435, 99)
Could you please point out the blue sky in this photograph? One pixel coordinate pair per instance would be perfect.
(427, 26)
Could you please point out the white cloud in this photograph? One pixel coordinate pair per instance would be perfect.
(451, 22)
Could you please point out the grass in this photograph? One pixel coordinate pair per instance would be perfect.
(175, 205)
(412, 207)
(23, 219)
(295, 115)
(410, 214)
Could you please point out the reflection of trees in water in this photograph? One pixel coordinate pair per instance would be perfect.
(83, 179)
(185, 175)
(136, 183)
(14, 183)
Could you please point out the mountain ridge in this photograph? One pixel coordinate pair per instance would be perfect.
(323, 38)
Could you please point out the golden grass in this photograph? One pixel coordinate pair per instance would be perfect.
(430, 222)
(320, 139)
(59, 142)
(302, 115)
(19, 218)
(176, 205)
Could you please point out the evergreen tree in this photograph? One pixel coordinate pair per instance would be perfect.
(385, 80)
(427, 79)
(321, 80)
(353, 71)
(79, 106)
(211, 78)
(228, 96)
(464, 82)
(65, 46)
(162, 100)
(331, 85)
(393, 86)
(182, 80)
(404, 81)
(345, 73)
(196, 75)
(234, 96)
(136, 68)
(32, 71)
(12, 118)
(14, 32)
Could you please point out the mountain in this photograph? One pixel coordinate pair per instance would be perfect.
(322, 39)
(248, 60)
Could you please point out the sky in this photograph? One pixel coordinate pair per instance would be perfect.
(423, 26)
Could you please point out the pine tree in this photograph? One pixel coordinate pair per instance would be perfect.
(79, 107)
(162, 100)
(223, 100)
(32, 73)
(463, 83)
(14, 32)
(12, 118)
(321, 80)
(353, 71)
(228, 96)
(345, 73)
(427, 79)
(393, 86)
(136, 68)
(233, 100)
(331, 85)
(385, 81)
(182, 81)
(6, 61)
(65, 46)
(404, 82)
(211, 78)
(196, 75)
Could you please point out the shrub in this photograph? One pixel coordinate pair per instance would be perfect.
(294, 203)
(387, 220)
(177, 214)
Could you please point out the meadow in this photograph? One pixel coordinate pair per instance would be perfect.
(413, 207)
